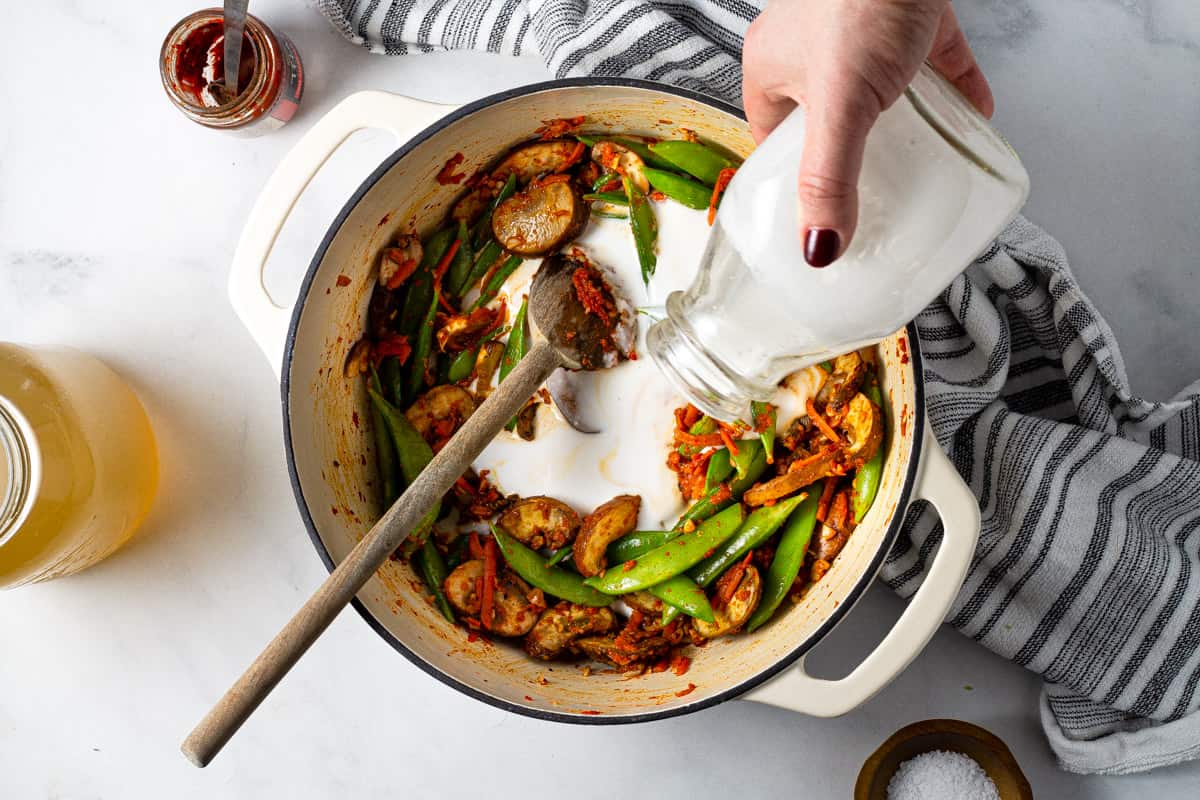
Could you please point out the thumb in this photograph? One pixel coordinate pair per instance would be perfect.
(835, 137)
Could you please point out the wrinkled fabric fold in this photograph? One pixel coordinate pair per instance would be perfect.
(1087, 569)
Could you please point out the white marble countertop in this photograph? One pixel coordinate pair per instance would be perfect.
(117, 222)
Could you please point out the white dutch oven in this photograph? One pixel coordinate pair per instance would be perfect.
(329, 451)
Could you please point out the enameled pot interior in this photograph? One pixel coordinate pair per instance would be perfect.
(331, 452)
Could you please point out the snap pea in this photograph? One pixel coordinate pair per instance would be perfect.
(678, 188)
(758, 527)
(645, 229)
(609, 214)
(413, 454)
(559, 555)
(385, 452)
(420, 285)
(604, 179)
(789, 557)
(682, 594)
(460, 265)
(706, 506)
(767, 435)
(433, 570)
(719, 468)
(423, 354)
(868, 477)
(531, 566)
(637, 544)
(462, 365)
(484, 260)
(483, 226)
(642, 149)
(698, 160)
(671, 559)
(514, 350)
(615, 198)
(517, 344)
(391, 378)
(499, 276)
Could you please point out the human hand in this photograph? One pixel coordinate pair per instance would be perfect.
(845, 61)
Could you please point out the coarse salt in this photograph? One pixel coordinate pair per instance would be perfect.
(941, 775)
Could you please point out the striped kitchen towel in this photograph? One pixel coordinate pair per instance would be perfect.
(1088, 566)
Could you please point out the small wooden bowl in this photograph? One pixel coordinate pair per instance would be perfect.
(943, 734)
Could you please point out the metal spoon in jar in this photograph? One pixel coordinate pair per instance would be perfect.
(568, 335)
(235, 24)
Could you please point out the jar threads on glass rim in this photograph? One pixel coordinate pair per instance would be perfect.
(271, 74)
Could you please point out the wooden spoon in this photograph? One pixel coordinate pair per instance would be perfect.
(567, 335)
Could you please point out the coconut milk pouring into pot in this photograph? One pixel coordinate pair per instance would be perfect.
(937, 185)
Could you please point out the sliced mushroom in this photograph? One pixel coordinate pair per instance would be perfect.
(541, 218)
(849, 370)
(644, 602)
(539, 522)
(800, 473)
(406, 255)
(358, 359)
(730, 617)
(461, 587)
(863, 425)
(463, 331)
(486, 364)
(609, 522)
(514, 614)
(440, 412)
(534, 159)
(835, 530)
(564, 623)
(620, 653)
(623, 161)
(527, 421)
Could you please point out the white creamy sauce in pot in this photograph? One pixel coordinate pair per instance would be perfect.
(632, 401)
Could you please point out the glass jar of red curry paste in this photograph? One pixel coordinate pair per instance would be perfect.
(270, 75)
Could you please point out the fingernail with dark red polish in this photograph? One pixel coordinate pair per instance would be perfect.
(821, 246)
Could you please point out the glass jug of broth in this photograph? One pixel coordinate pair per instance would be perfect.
(78, 463)
(938, 183)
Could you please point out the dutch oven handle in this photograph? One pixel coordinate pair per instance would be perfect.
(940, 484)
(263, 317)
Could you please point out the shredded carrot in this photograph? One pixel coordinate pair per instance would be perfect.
(474, 545)
(826, 496)
(487, 608)
(699, 440)
(394, 345)
(728, 440)
(403, 272)
(573, 159)
(819, 419)
(730, 580)
(501, 315)
(723, 179)
(444, 264)
(461, 482)
(442, 302)
(691, 415)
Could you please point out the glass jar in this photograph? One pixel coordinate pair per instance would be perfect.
(271, 83)
(937, 185)
(78, 463)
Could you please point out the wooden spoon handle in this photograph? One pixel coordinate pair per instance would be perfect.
(207, 739)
